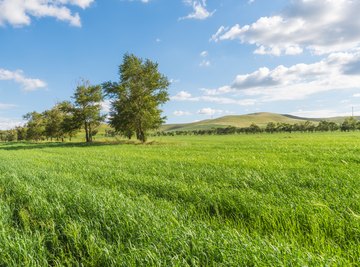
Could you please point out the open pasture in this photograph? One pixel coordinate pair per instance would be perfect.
(242, 200)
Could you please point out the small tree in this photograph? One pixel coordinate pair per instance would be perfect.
(270, 127)
(137, 97)
(87, 110)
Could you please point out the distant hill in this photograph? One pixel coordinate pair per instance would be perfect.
(261, 119)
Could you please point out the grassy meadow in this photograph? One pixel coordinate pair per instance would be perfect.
(242, 200)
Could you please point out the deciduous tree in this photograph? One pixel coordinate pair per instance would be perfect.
(137, 97)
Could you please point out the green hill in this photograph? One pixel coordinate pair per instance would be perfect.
(260, 119)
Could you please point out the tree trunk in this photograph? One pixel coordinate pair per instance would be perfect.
(90, 134)
(87, 132)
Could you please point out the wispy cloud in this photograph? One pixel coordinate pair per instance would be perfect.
(200, 11)
(28, 84)
(180, 113)
(186, 96)
(212, 112)
(205, 61)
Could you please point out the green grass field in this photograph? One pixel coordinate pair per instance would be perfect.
(243, 200)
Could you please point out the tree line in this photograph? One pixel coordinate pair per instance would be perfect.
(135, 107)
(349, 124)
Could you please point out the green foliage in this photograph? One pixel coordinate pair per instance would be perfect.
(35, 126)
(249, 200)
(70, 124)
(350, 124)
(53, 119)
(21, 133)
(137, 97)
(87, 108)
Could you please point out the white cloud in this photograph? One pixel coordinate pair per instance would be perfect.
(209, 111)
(199, 10)
(180, 113)
(20, 12)
(28, 84)
(186, 96)
(356, 95)
(204, 53)
(7, 124)
(321, 27)
(322, 113)
(181, 96)
(338, 71)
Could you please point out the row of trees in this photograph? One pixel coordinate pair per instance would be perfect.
(66, 118)
(349, 124)
(135, 102)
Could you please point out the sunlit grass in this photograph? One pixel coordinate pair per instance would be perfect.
(243, 200)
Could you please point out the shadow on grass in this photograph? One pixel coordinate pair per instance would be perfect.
(42, 145)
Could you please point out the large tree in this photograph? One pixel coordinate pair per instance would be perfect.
(137, 97)
(88, 99)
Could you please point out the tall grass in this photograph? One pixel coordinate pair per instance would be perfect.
(262, 200)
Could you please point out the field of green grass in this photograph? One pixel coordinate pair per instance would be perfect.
(242, 200)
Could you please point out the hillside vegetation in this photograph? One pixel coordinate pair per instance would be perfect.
(260, 119)
(240, 200)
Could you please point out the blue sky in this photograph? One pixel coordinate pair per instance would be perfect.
(223, 57)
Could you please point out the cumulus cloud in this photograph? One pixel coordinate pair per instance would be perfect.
(281, 83)
(298, 81)
(200, 11)
(356, 95)
(28, 84)
(320, 27)
(20, 12)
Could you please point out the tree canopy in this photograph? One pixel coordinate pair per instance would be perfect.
(87, 108)
(137, 97)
